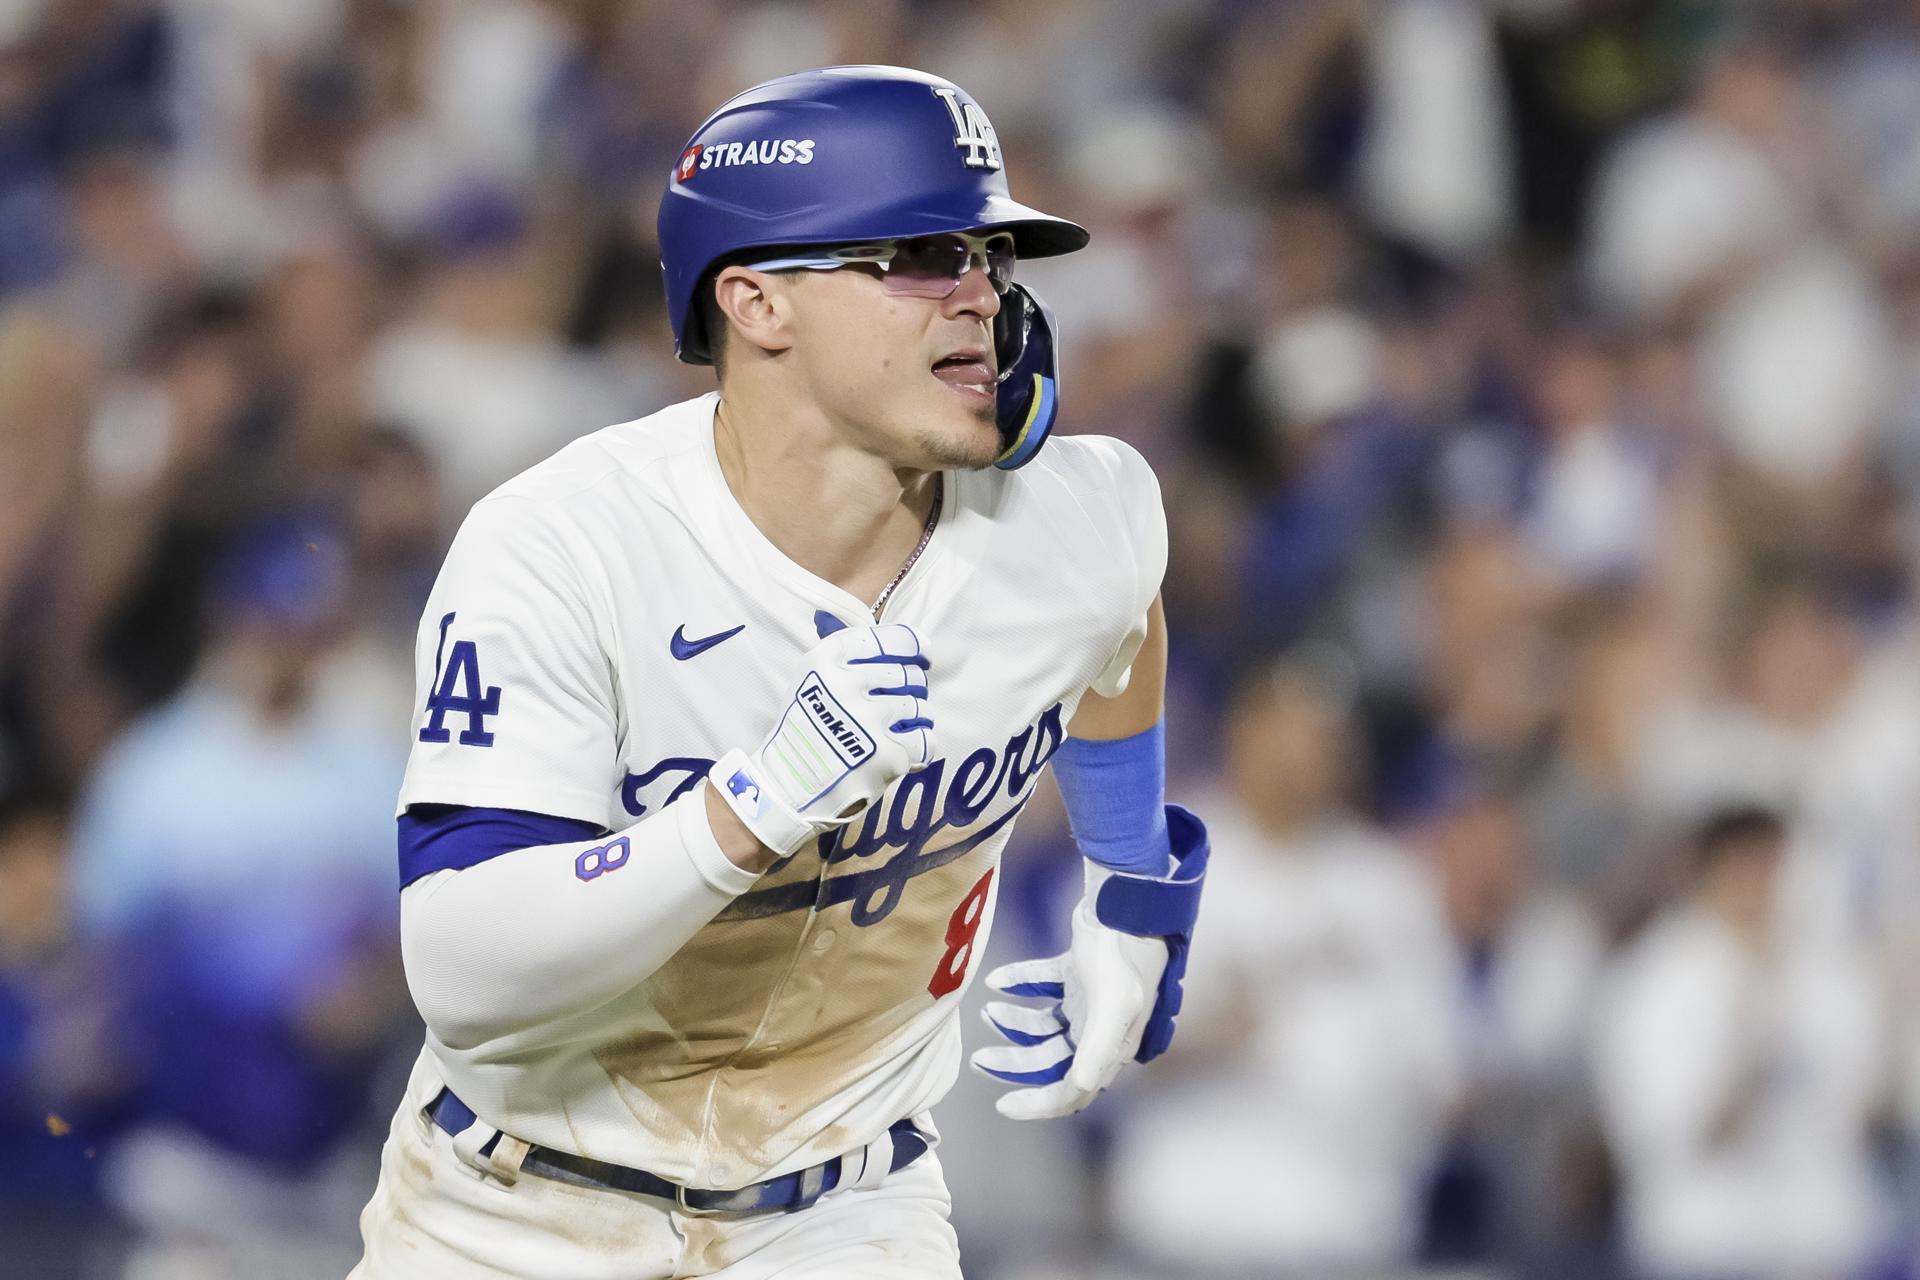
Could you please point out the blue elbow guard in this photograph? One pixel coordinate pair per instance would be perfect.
(1161, 907)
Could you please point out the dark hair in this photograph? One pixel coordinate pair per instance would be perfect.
(713, 324)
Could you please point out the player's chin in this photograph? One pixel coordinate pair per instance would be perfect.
(962, 428)
(967, 444)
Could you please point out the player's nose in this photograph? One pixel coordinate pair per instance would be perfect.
(975, 295)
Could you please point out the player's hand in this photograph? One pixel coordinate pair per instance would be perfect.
(1113, 997)
(1099, 997)
(857, 721)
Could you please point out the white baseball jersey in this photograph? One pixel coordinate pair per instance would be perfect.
(610, 622)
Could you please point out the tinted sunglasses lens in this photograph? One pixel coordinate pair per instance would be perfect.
(932, 266)
(929, 267)
(1000, 262)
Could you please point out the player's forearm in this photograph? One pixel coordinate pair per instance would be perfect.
(498, 954)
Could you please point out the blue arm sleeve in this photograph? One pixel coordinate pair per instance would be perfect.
(1115, 795)
(451, 837)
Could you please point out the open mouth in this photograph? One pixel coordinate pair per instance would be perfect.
(967, 372)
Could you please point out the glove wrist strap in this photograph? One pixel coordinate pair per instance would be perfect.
(1157, 906)
(742, 783)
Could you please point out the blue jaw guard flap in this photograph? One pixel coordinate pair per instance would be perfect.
(1029, 396)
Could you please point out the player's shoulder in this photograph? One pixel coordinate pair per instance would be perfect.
(1089, 464)
(1092, 503)
(1089, 488)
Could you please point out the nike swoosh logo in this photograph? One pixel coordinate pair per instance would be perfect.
(684, 648)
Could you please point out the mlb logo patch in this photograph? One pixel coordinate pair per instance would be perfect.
(689, 161)
(742, 784)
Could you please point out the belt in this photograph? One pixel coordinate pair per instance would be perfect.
(787, 1193)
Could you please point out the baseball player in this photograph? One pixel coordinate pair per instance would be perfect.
(727, 713)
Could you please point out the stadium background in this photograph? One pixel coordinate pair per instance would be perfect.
(1535, 387)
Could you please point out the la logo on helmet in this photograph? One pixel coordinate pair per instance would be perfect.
(972, 132)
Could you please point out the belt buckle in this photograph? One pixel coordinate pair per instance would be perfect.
(716, 1203)
(810, 1184)
(686, 1206)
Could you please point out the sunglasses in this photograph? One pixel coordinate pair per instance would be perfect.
(919, 267)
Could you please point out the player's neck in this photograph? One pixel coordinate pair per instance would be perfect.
(779, 472)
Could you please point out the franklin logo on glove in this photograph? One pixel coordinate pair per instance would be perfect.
(848, 743)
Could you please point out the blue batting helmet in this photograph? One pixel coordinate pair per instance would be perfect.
(849, 154)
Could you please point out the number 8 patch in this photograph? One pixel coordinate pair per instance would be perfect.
(601, 859)
(961, 927)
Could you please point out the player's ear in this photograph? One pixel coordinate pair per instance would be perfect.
(754, 306)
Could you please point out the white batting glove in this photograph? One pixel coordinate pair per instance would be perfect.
(857, 722)
(1102, 993)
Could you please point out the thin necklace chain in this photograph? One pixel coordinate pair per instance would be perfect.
(926, 536)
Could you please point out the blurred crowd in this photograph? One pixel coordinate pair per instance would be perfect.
(1535, 389)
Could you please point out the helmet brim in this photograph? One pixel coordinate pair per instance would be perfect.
(1035, 234)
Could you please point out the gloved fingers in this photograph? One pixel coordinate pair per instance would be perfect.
(1094, 1074)
(919, 744)
(1031, 979)
(1023, 1023)
(1109, 1033)
(910, 724)
(902, 705)
(892, 664)
(896, 643)
(1044, 1063)
(911, 689)
(1048, 1102)
(900, 640)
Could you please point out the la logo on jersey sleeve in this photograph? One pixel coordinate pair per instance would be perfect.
(457, 691)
